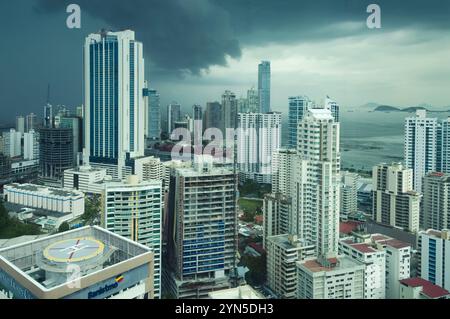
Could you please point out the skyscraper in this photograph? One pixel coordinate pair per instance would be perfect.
(252, 101)
(317, 182)
(20, 124)
(394, 201)
(298, 107)
(173, 115)
(333, 107)
(349, 194)
(154, 115)
(12, 143)
(229, 112)
(444, 147)
(421, 146)
(434, 250)
(55, 155)
(31, 145)
(259, 136)
(436, 201)
(134, 211)
(213, 115)
(31, 122)
(264, 74)
(203, 229)
(114, 100)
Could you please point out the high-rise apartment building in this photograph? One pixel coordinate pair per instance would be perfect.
(421, 146)
(202, 223)
(74, 123)
(229, 112)
(31, 122)
(154, 115)
(264, 74)
(55, 155)
(252, 101)
(434, 250)
(349, 194)
(283, 251)
(31, 145)
(444, 147)
(173, 116)
(316, 189)
(394, 201)
(277, 214)
(374, 260)
(259, 136)
(12, 143)
(436, 201)
(134, 210)
(333, 278)
(213, 115)
(114, 100)
(283, 161)
(20, 124)
(333, 106)
(298, 107)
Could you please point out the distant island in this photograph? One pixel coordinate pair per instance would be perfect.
(412, 109)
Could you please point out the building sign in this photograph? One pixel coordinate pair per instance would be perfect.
(12, 286)
(102, 290)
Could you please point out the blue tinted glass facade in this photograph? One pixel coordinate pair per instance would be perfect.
(104, 108)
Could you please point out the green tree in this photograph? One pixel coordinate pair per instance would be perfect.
(64, 227)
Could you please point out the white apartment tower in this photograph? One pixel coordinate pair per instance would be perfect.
(283, 251)
(421, 146)
(114, 100)
(375, 266)
(259, 135)
(434, 250)
(394, 201)
(349, 194)
(436, 201)
(316, 191)
(134, 210)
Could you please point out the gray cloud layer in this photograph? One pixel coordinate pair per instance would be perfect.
(192, 35)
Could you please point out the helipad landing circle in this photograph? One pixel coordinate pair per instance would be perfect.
(74, 250)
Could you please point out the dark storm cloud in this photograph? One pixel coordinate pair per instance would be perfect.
(192, 35)
(178, 34)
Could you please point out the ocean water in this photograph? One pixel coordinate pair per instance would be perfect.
(370, 138)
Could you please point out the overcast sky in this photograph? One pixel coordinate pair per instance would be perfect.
(196, 49)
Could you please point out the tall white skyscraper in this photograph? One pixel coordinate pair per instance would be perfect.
(349, 194)
(264, 73)
(134, 211)
(31, 145)
(298, 106)
(114, 99)
(421, 146)
(20, 124)
(316, 190)
(12, 143)
(259, 136)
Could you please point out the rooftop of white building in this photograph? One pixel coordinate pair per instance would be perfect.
(242, 292)
(32, 188)
(336, 264)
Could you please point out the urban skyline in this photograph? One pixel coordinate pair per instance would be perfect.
(298, 56)
(136, 194)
